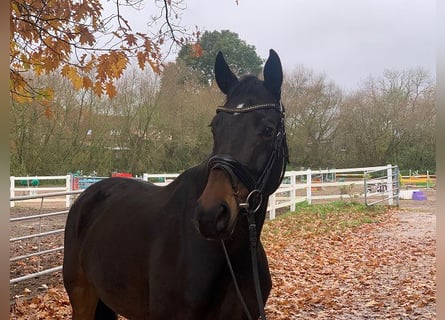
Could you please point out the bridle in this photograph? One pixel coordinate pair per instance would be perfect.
(259, 189)
(235, 169)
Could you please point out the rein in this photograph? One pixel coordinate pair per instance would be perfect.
(257, 192)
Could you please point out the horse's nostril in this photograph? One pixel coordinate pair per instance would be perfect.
(222, 218)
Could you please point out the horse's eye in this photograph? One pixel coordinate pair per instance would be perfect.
(268, 132)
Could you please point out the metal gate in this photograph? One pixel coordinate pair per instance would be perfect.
(33, 251)
(382, 185)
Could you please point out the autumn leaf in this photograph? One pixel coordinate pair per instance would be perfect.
(71, 73)
(110, 89)
(87, 82)
(196, 50)
(118, 62)
(130, 39)
(86, 37)
(97, 89)
(142, 58)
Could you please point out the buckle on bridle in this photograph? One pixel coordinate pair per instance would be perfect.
(253, 201)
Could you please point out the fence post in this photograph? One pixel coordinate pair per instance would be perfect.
(272, 206)
(365, 185)
(69, 187)
(396, 175)
(389, 184)
(309, 186)
(427, 179)
(11, 190)
(293, 192)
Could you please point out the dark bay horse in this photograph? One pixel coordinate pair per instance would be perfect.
(151, 252)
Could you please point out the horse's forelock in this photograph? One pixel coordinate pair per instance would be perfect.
(249, 90)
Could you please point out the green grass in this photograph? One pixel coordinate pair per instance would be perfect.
(325, 218)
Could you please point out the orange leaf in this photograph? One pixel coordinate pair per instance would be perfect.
(86, 37)
(48, 112)
(110, 89)
(98, 88)
(131, 39)
(142, 58)
(196, 50)
(87, 82)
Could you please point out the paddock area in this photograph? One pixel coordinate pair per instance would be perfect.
(375, 270)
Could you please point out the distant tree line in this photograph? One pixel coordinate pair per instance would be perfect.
(159, 123)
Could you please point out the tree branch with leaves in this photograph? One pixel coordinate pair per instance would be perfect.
(88, 48)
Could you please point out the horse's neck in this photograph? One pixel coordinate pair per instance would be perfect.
(193, 180)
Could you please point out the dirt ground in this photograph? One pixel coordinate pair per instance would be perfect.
(418, 218)
(415, 234)
(415, 227)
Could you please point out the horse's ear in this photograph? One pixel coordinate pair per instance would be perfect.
(273, 74)
(223, 75)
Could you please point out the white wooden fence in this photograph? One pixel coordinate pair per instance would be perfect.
(297, 186)
(321, 185)
(28, 189)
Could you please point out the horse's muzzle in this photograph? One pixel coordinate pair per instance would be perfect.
(217, 207)
(213, 223)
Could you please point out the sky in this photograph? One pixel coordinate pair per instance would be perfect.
(346, 40)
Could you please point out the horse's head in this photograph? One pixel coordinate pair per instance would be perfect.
(249, 153)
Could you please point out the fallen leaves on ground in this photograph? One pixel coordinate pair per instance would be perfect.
(331, 266)
(334, 262)
(53, 304)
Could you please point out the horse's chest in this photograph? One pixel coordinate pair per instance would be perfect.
(207, 299)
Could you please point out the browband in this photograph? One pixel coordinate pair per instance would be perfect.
(275, 106)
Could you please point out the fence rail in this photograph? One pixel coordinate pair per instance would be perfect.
(297, 186)
(34, 189)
